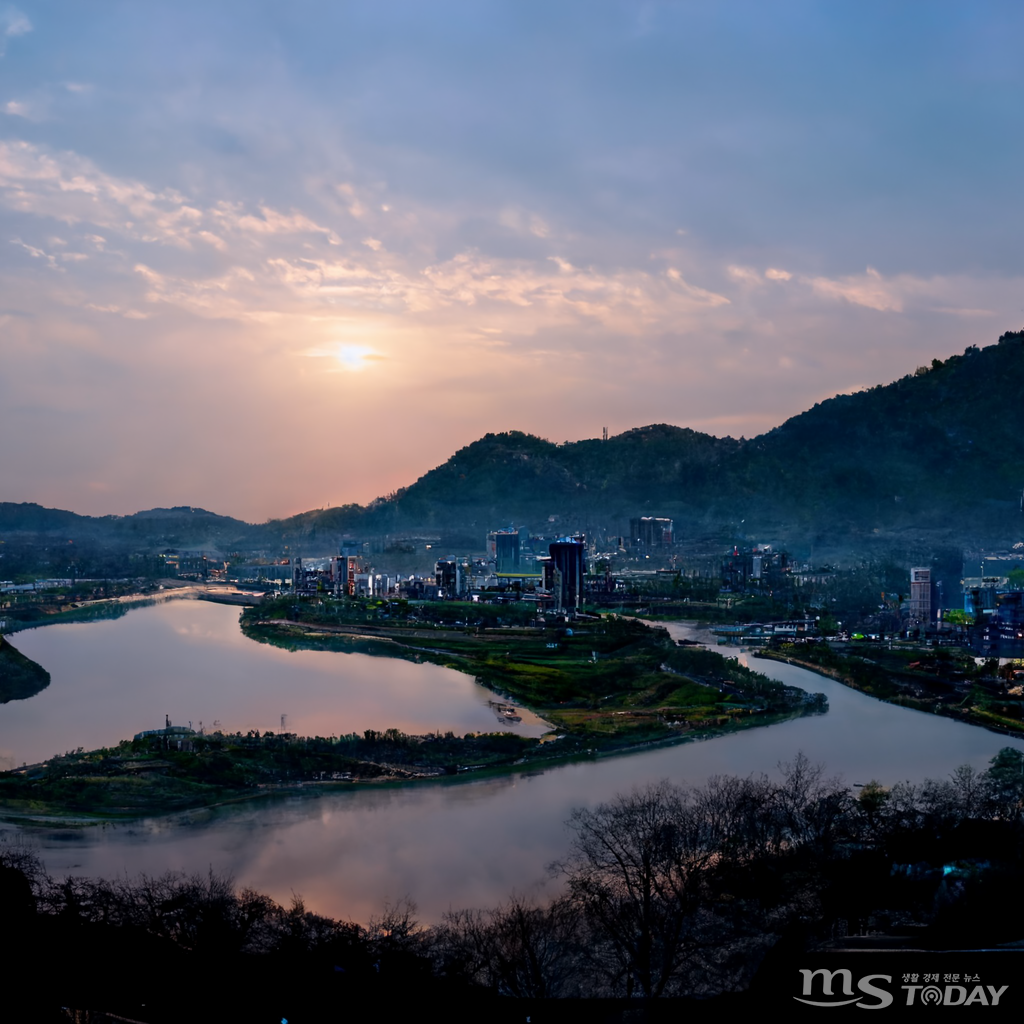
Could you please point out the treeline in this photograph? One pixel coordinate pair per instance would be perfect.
(152, 776)
(667, 891)
(673, 891)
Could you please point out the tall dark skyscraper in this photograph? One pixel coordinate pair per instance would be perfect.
(506, 550)
(568, 556)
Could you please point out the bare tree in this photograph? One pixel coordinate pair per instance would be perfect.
(518, 948)
(635, 871)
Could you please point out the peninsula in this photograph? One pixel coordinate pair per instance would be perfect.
(605, 684)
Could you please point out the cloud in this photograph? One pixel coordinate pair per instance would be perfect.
(524, 222)
(264, 264)
(868, 289)
(745, 275)
(215, 240)
(36, 253)
(270, 222)
(269, 266)
(13, 23)
(72, 189)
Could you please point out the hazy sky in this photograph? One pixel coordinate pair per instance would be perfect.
(260, 257)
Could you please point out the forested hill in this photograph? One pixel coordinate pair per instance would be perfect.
(937, 456)
(152, 530)
(939, 453)
(940, 449)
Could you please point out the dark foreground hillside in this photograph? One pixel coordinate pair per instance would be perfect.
(674, 903)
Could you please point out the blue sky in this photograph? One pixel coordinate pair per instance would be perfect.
(259, 257)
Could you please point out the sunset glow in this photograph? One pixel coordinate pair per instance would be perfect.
(247, 247)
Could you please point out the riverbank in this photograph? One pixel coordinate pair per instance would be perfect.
(606, 687)
(143, 779)
(20, 677)
(54, 611)
(603, 678)
(976, 698)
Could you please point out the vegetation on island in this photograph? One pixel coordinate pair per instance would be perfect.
(668, 891)
(607, 678)
(163, 774)
(945, 680)
(604, 684)
(20, 677)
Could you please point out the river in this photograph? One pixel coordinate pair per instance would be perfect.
(464, 843)
(189, 661)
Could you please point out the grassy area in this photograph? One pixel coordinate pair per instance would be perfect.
(151, 776)
(605, 685)
(946, 681)
(602, 677)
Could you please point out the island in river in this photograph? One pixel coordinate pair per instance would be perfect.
(605, 684)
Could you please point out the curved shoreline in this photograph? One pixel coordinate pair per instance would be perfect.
(20, 677)
(913, 704)
(623, 688)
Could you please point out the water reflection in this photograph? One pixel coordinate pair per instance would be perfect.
(189, 660)
(471, 842)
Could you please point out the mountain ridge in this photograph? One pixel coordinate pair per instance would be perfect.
(939, 452)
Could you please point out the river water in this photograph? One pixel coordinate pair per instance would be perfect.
(463, 843)
(188, 660)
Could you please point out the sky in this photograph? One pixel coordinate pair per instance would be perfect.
(264, 257)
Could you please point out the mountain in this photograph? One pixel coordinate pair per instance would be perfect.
(935, 457)
(34, 539)
(939, 453)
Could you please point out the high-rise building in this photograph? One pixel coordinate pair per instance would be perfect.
(568, 559)
(922, 596)
(506, 550)
(343, 573)
(649, 532)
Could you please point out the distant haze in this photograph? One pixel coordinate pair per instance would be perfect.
(261, 258)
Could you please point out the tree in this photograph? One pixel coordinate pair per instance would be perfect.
(1004, 783)
(518, 949)
(635, 871)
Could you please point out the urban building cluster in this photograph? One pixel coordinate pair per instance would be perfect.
(564, 572)
(512, 567)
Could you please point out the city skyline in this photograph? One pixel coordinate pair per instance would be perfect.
(261, 260)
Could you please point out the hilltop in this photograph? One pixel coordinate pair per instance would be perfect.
(935, 457)
(938, 453)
